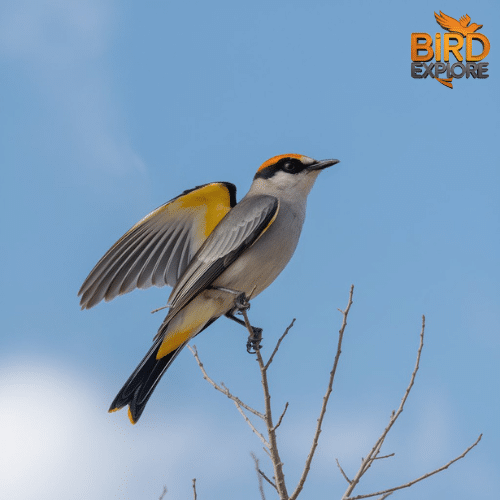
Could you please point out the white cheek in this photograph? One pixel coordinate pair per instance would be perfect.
(282, 180)
(300, 183)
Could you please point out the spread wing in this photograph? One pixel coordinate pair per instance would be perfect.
(447, 22)
(242, 227)
(464, 20)
(159, 248)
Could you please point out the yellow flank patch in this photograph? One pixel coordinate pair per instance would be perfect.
(113, 410)
(276, 159)
(177, 336)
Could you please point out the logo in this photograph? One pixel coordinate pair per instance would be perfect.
(460, 34)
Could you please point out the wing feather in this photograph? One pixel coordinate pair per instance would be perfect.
(239, 230)
(158, 276)
(158, 249)
(101, 282)
(118, 284)
(146, 276)
(464, 20)
(445, 21)
(170, 273)
(131, 276)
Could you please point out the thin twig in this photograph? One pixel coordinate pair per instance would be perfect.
(367, 462)
(259, 476)
(195, 496)
(281, 417)
(342, 471)
(421, 478)
(222, 389)
(278, 344)
(385, 456)
(237, 401)
(250, 424)
(268, 480)
(163, 493)
(385, 496)
(160, 309)
(307, 466)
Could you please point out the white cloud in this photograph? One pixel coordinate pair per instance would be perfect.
(58, 442)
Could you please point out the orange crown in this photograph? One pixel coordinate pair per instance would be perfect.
(276, 159)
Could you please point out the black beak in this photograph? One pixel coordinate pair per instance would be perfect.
(320, 165)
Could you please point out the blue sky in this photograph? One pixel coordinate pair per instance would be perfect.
(109, 109)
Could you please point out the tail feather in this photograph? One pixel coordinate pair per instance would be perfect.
(140, 385)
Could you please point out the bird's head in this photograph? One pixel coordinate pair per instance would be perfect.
(475, 26)
(289, 173)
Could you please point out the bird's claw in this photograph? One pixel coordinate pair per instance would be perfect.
(241, 302)
(253, 342)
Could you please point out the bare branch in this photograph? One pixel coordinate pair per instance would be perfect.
(342, 471)
(278, 344)
(273, 448)
(249, 422)
(271, 445)
(238, 403)
(385, 496)
(271, 430)
(259, 476)
(195, 496)
(160, 309)
(163, 493)
(367, 462)
(268, 480)
(281, 417)
(307, 466)
(421, 478)
(385, 456)
(222, 388)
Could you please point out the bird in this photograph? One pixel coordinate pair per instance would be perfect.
(216, 254)
(451, 24)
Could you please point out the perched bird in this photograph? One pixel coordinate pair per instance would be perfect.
(213, 251)
(451, 24)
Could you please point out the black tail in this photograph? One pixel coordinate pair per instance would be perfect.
(141, 384)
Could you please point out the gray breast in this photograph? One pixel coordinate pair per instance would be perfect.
(259, 266)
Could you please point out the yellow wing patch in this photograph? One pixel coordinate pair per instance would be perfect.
(276, 159)
(215, 200)
(212, 200)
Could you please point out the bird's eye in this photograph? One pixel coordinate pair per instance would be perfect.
(288, 167)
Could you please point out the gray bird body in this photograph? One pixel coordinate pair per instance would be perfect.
(247, 246)
(261, 264)
(257, 266)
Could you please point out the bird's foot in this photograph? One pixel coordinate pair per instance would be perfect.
(241, 303)
(253, 342)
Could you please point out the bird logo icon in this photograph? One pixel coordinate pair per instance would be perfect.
(461, 35)
(454, 26)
